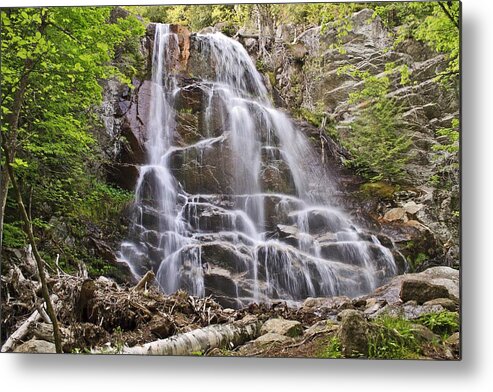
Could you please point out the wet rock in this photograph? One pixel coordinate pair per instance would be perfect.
(275, 177)
(36, 346)
(421, 291)
(281, 326)
(224, 255)
(219, 283)
(289, 234)
(204, 169)
(353, 333)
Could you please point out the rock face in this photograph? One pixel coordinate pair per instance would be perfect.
(303, 71)
(240, 237)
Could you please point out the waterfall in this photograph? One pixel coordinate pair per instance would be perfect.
(244, 212)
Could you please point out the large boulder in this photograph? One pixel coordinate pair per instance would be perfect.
(353, 333)
(283, 327)
(421, 291)
(36, 346)
(442, 281)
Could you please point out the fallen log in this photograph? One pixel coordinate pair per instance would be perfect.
(23, 330)
(201, 340)
(20, 332)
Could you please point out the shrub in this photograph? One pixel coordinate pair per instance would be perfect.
(332, 349)
(443, 323)
(377, 142)
(13, 235)
(393, 338)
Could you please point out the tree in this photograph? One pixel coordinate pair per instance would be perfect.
(53, 60)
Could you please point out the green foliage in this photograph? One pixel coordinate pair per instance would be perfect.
(332, 349)
(446, 157)
(103, 203)
(13, 235)
(377, 142)
(433, 23)
(393, 338)
(62, 54)
(196, 17)
(419, 259)
(98, 267)
(313, 117)
(451, 137)
(443, 323)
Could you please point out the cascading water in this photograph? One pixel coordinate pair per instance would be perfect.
(256, 239)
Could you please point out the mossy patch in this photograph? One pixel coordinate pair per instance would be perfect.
(382, 190)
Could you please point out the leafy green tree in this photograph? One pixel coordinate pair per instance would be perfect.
(196, 17)
(53, 60)
(435, 23)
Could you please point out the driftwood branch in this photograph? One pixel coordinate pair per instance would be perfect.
(201, 340)
(147, 278)
(22, 331)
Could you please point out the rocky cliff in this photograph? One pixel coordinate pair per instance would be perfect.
(301, 70)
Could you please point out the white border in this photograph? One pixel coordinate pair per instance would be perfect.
(473, 373)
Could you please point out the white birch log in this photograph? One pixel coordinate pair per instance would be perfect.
(201, 340)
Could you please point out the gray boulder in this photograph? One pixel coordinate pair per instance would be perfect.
(353, 333)
(283, 327)
(421, 291)
(36, 346)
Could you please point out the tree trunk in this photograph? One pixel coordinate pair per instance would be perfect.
(201, 340)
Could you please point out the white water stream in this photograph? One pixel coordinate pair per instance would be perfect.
(315, 251)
